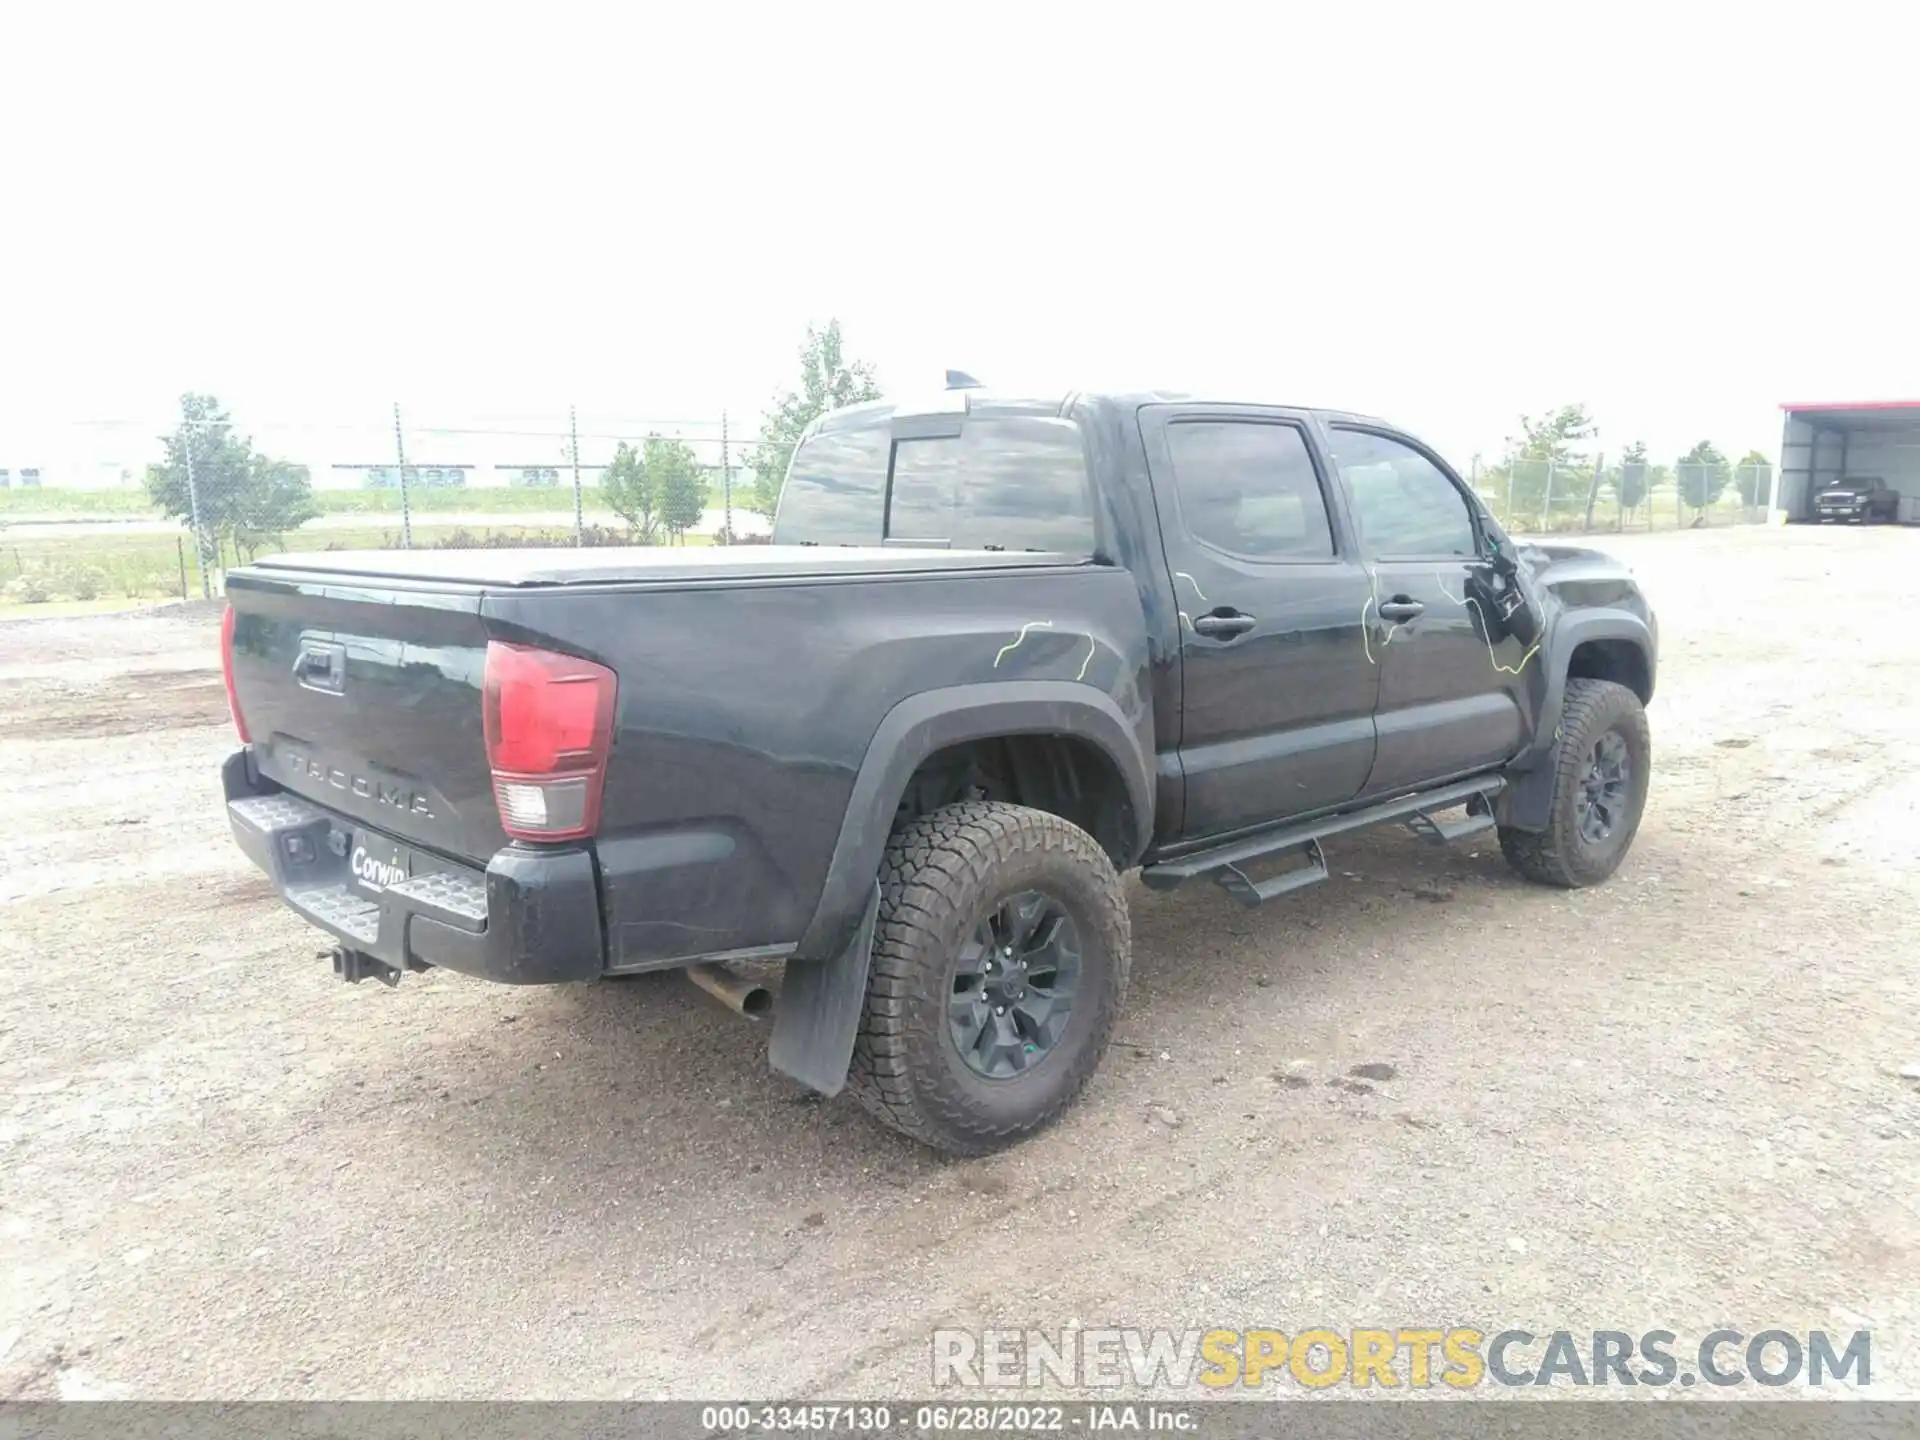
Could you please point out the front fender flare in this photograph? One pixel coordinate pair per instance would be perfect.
(1527, 803)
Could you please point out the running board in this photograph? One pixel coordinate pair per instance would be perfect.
(1249, 891)
(1477, 821)
(1224, 862)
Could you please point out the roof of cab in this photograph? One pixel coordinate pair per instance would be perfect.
(984, 403)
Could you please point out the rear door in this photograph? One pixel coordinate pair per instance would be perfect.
(1449, 702)
(1278, 692)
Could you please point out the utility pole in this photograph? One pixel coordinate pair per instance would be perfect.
(193, 511)
(573, 438)
(726, 477)
(406, 512)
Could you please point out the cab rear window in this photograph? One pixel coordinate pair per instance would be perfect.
(1015, 483)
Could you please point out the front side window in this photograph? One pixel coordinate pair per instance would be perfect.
(1249, 488)
(1404, 503)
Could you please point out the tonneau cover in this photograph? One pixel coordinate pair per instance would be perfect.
(642, 564)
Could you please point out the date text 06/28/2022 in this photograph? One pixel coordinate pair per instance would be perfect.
(944, 1419)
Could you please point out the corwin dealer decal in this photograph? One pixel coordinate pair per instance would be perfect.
(377, 873)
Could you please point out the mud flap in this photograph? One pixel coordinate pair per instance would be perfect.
(1527, 803)
(818, 1016)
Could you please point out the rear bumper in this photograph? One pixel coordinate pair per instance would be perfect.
(532, 917)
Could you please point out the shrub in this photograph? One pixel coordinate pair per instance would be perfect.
(591, 536)
(81, 582)
(29, 590)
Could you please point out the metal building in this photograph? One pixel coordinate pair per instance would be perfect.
(1871, 439)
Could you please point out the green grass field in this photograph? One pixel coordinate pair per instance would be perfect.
(98, 567)
(120, 504)
(130, 503)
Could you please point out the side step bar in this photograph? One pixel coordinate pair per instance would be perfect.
(1223, 863)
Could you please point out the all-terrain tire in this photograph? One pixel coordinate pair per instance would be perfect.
(942, 875)
(1560, 854)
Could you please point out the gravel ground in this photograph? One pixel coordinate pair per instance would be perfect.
(1672, 1101)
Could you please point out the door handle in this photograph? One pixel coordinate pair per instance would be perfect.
(1401, 607)
(1229, 626)
(321, 667)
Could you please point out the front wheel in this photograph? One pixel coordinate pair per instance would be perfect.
(999, 965)
(1602, 763)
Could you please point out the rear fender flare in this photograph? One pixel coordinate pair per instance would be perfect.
(934, 719)
(826, 982)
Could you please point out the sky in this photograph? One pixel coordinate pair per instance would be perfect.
(1680, 215)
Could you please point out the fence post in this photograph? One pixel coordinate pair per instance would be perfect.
(573, 444)
(406, 512)
(1546, 500)
(193, 511)
(726, 479)
(180, 554)
(1507, 518)
(1593, 489)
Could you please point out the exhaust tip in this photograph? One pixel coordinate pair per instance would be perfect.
(735, 991)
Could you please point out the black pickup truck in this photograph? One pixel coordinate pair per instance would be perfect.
(1001, 651)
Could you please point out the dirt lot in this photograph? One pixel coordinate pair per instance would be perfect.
(1672, 1101)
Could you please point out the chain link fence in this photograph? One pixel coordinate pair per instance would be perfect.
(1586, 496)
(171, 516)
(168, 522)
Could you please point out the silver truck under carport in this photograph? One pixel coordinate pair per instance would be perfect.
(1826, 443)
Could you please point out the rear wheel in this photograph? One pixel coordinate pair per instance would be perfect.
(1602, 763)
(999, 966)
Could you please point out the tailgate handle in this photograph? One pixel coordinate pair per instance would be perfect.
(321, 667)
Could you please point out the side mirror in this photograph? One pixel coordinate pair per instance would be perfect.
(1499, 548)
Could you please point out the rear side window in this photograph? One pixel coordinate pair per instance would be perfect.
(835, 489)
(1249, 488)
(1018, 483)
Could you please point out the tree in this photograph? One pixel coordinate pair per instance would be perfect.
(277, 497)
(1633, 477)
(1703, 474)
(1753, 478)
(1544, 464)
(237, 492)
(678, 483)
(633, 493)
(828, 380)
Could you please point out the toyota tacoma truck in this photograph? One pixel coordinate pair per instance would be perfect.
(1001, 651)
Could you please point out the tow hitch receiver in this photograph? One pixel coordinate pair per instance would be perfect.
(353, 966)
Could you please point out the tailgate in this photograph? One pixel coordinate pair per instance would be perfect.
(365, 698)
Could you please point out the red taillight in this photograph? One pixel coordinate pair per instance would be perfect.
(549, 722)
(226, 671)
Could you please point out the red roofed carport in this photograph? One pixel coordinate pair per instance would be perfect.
(1828, 441)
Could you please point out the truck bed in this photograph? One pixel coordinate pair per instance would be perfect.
(751, 682)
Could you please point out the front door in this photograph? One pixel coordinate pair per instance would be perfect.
(1278, 693)
(1450, 702)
